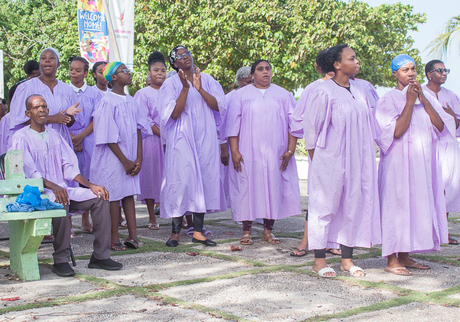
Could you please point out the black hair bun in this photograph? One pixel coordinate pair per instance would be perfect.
(155, 57)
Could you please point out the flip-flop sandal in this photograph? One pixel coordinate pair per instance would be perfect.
(246, 239)
(270, 238)
(299, 251)
(418, 265)
(153, 226)
(353, 270)
(207, 233)
(325, 270)
(131, 243)
(118, 247)
(331, 251)
(453, 241)
(397, 271)
(190, 232)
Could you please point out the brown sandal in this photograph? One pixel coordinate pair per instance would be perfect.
(270, 238)
(246, 238)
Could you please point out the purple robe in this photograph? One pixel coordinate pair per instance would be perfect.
(151, 174)
(116, 120)
(449, 152)
(343, 206)
(262, 122)
(411, 190)
(5, 139)
(52, 159)
(62, 97)
(88, 98)
(191, 175)
(299, 111)
(370, 91)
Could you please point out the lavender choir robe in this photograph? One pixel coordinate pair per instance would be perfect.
(411, 190)
(449, 152)
(343, 204)
(116, 120)
(5, 139)
(53, 160)
(151, 174)
(88, 97)
(261, 122)
(191, 175)
(97, 88)
(62, 97)
(299, 111)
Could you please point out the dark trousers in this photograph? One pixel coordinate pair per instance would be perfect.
(100, 215)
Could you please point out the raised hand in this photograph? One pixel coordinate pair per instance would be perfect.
(412, 93)
(197, 79)
(73, 110)
(183, 79)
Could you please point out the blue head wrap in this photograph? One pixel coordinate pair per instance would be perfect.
(400, 61)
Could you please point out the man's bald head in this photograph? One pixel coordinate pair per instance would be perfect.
(30, 98)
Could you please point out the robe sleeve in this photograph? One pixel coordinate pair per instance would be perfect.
(105, 128)
(295, 127)
(233, 118)
(448, 134)
(167, 102)
(30, 169)
(144, 102)
(372, 96)
(215, 89)
(385, 123)
(455, 101)
(69, 160)
(18, 106)
(71, 99)
(316, 124)
(142, 121)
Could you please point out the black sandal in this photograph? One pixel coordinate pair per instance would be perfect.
(118, 247)
(131, 243)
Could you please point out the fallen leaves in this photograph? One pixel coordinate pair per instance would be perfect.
(235, 248)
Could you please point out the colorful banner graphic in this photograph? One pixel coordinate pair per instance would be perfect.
(92, 30)
(120, 18)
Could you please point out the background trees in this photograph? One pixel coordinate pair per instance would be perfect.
(225, 35)
(442, 42)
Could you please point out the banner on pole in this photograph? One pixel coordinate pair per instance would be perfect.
(93, 31)
(120, 18)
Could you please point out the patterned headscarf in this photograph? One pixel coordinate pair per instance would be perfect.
(172, 55)
(110, 69)
(400, 61)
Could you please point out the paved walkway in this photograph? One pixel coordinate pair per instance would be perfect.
(260, 283)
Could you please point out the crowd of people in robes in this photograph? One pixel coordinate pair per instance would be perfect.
(185, 149)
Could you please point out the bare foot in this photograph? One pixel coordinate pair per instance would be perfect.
(410, 263)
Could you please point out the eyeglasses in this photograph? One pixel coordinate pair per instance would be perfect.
(182, 56)
(124, 70)
(440, 70)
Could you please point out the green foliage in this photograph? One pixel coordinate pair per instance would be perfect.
(224, 35)
(440, 45)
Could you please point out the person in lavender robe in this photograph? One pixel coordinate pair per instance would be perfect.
(3, 108)
(119, 124)
(61, 98)
(151, 174)
(297, 127)
(190, 102)
(343, 207)
(413, 208)
(263, 182)
(47, 155)
(436, 73)
(242, 78)
(102, 84)
(82, 137)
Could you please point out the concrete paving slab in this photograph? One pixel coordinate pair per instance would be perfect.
(278, 296)
(455, 296)
(115, 309)
(409, 312)
(159, 267)
(278, 254)
(439, 277)
(50, 286)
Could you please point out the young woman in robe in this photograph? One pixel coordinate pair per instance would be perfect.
(151, 173)
(343, 208)
(413, 208)
(190, 103)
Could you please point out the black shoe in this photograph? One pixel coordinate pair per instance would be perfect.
(63, 270)
(107, 264)
(157, 211)
(172, 243)
(207, 242)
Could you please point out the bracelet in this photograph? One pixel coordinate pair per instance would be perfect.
(290, 152)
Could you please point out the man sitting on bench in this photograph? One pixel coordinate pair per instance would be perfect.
(47, 155)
